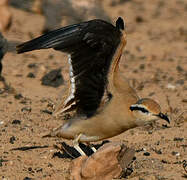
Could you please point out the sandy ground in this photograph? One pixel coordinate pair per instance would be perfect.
(155, 63)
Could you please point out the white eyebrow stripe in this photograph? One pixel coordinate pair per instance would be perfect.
(139, 105)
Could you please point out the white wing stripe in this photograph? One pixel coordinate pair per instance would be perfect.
(72, 78)
(72, 81)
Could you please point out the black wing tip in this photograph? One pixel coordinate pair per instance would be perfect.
(25, 47)
(120, 23)
(19, 49)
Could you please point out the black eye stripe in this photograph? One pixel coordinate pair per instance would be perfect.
(135, 108)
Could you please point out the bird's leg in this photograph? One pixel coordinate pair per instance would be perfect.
(76, 145)
(92, 147)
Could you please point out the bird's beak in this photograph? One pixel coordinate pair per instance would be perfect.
(163, 116)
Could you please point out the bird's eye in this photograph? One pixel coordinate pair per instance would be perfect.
(138, 108)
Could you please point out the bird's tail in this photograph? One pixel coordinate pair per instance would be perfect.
(64, 131)
(53, 133)
(59, 39)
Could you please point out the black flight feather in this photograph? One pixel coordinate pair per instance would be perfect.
(91, 45)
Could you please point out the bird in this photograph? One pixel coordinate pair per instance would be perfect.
(105, 104)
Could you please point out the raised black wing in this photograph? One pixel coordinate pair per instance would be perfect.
(91, 46)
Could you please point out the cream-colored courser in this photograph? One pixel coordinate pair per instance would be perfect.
(104, 103)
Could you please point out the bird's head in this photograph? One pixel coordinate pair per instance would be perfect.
(146, 111)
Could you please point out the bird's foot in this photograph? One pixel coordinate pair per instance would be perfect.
(76, 145)
(79, 150)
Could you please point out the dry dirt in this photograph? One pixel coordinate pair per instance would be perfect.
(155, 63)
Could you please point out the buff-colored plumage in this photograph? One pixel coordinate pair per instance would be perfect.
(119, 107)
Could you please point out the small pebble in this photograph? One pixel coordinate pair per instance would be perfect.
(127, 172)
(32, 65)
(16, 121)
(18, 96)
(49, 165)
(184, 100)
(150, 132)
(12, 139)
(178, 139)
(135, 71)
(140, 150)
(170, 79)
(146, 154)
(28, 109)
(31, 75)
(165, 162)
(170, 86)
(142, 66)
(39, 170)
(141, 178)
(180, 81)
(53, 78)
(179, 68)
(27, 178)
(175, 153)
(46, 111)
(158, 151)
(29, 169)
(23, 101)
(139, 19)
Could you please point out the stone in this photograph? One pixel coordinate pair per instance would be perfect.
(53, 78)
(107, 163)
